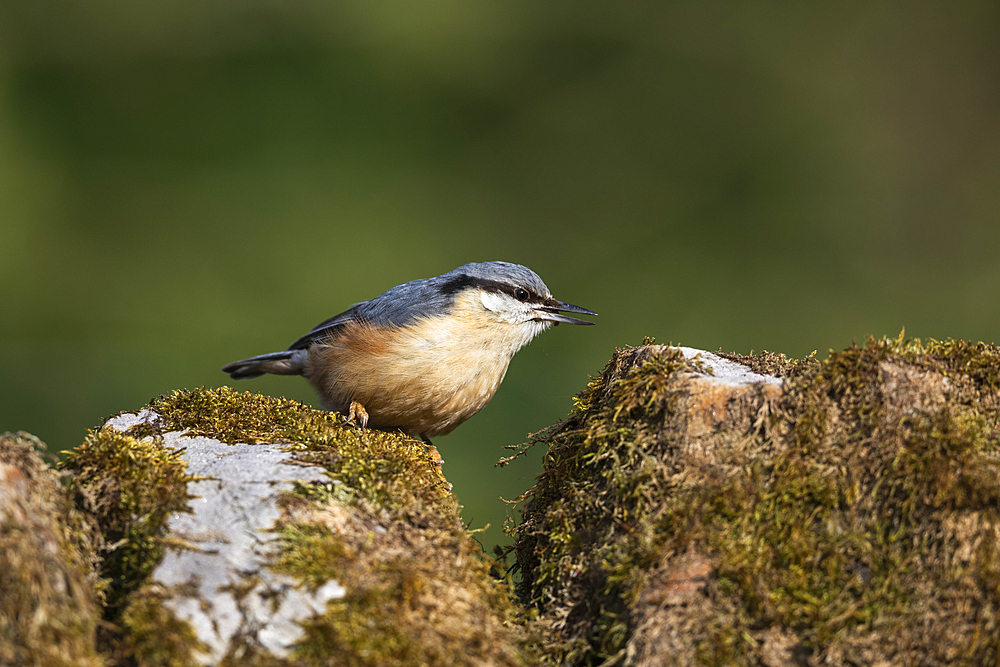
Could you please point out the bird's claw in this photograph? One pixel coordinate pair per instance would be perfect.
(357, 415)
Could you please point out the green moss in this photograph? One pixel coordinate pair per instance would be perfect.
(866, 498)
(129, 486)
(385, 526)
(365, 629)
(311, 554)
(435, 605)
(153, 636)
(232, 416)
(848, 529)
(585, 545)
(388, 469)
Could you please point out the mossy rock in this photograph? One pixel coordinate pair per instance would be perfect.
(694, 509)
(247, 530)
(840, 512)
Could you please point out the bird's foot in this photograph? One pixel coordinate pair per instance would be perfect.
(433, 451)
(357, 415)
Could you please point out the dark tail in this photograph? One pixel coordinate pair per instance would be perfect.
(289, 362)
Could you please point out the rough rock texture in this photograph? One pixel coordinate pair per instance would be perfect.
(843, 512)
(49, 592)
(247, 530)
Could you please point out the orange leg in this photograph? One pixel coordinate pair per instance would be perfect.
(357, 413)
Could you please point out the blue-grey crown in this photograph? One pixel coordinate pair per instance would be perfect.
(501, 273)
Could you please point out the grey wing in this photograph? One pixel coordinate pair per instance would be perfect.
(324, 328)
(405, 303)
(395, 307)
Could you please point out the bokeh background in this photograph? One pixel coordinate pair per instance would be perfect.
(184, 184)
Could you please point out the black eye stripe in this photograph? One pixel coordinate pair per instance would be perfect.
(460, 283)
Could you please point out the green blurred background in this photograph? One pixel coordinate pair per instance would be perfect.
(184, 184)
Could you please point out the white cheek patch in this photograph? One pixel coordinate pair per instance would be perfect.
(494, 302)
(505, 307)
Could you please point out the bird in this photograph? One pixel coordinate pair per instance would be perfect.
(423, 356)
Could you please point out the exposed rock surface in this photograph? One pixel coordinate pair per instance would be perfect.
(215, 573)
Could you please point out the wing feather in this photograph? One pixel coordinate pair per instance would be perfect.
(393, 308)
(325, 328)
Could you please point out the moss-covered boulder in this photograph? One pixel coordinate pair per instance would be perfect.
(246, 530)
(694, 509)
(837, 512)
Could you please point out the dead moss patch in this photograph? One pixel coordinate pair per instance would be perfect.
(855, 520)
(50, 593)
(774, 364)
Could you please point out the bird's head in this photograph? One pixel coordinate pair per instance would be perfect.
(512, 294)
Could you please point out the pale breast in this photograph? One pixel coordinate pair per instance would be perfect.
(425, 378)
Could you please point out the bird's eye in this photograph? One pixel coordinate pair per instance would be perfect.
(521, 294)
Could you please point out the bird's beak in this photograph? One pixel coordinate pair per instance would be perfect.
(551, 313)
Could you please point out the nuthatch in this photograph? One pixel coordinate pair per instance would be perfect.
(423, 356)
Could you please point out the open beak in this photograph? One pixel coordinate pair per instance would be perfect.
(551, 313)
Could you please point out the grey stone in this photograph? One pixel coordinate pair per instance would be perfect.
(728, 372)
(228, 543)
